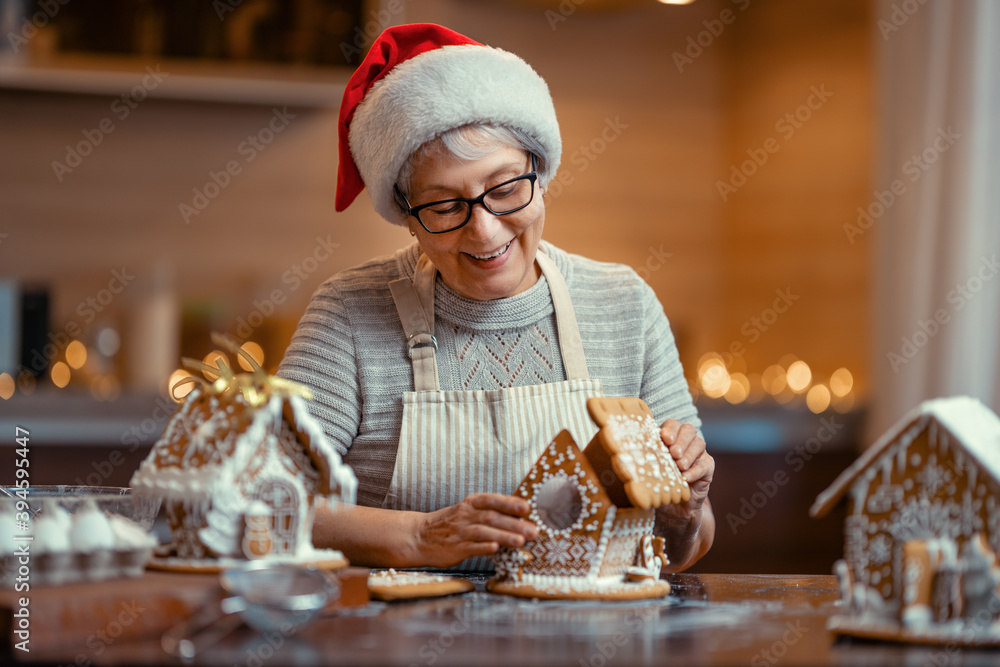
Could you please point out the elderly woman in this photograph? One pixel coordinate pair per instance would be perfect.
(442, 371)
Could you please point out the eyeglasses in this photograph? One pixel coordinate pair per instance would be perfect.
(448, 215)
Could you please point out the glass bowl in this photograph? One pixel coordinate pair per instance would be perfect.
(112, 500)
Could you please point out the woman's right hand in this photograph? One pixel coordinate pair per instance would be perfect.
(477, 526)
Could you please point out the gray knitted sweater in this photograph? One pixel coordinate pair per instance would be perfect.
(350, 349)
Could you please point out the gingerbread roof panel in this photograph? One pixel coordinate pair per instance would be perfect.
(973, 425)
(631, 437)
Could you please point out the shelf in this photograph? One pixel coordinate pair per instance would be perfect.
(179, 80)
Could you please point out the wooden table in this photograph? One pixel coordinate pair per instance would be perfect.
(709, 619)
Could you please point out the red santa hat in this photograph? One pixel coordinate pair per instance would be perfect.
(419, 81)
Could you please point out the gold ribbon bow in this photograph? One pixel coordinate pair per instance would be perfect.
(257, 387)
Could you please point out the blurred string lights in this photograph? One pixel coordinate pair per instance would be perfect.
(77, 366)
(177, 393)
(790, 379)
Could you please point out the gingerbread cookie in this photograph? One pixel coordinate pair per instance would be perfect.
(629, 440)
(393, 585)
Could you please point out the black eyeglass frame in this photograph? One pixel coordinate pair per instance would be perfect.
(481, 200)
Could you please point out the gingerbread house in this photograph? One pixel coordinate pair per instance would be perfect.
(241, 467)
(595, 511)
(922, 531)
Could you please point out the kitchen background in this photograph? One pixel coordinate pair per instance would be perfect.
(807, 185)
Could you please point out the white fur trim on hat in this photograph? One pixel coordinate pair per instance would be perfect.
(437, 91)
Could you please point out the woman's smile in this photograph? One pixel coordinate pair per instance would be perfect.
(492, 256)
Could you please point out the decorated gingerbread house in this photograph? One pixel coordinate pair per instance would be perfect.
(241, 467)
(923, 528)
(595, 511)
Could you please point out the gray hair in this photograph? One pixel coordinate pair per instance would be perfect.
(471, 142)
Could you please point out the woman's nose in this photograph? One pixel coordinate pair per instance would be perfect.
(483, 224)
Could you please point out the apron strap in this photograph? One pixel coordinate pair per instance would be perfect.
(570, 342)
(418, 322)
(415, 305)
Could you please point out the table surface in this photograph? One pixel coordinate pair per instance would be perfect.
(709, 619)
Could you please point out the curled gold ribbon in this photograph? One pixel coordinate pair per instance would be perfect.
(256, 387)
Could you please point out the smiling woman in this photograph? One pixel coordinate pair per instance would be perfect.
(442, 371)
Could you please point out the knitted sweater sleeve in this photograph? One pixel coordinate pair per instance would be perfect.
(322, 357)
(664, 387)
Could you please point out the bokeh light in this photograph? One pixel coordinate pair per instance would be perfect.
(213, 359)
(76, 355)
(108, 342)
(773, 379)
(60, 374)
(255, 351)
(841, 382)
(799, 376)
(739, 388)
(105, 388)
(714, 378)
(178, 393)
(6, 386)
(818, 398)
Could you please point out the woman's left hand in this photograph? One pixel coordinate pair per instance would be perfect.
(688, 528)
(695, 463)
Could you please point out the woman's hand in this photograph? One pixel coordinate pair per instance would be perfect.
(696, 465)
(477, 526)
(688, 528)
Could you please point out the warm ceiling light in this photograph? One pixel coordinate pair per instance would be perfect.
(675, 2)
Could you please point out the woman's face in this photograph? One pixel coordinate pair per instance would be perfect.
(492, 256)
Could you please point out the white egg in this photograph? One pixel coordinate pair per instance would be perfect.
(128, 534)
(91, 530)
(51, 535)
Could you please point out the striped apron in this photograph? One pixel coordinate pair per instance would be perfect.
(455, 443)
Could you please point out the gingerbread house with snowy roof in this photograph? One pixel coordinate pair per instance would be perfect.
(922, 531)
(241, 467)
(595, 511)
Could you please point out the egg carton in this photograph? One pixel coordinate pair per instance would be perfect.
(58, 568)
